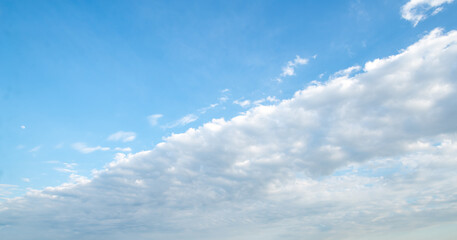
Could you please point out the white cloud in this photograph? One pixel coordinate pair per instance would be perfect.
(289, 69)
(205, 109)
(154, 119)
(26, 180)
(122, 136)
(418, 10)
(126, 149)
(183, 121)
(242, 103)
(269, 99)
(354, 156)
(346, 72)
(23, 127)
(81, 147)
(65, 170)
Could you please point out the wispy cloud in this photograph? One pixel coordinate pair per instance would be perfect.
(247, 103)
(154, 119)
(205, 109)
(242, 103)
(122, 136)
(126, 149)
(23, 127)
(67, 168)
(289, 69)
(346, 72)
(183, 121)
(35, 149)
(418, 10)
(83, 148)
(269, 99)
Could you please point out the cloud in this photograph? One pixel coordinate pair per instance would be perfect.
(269, 99)
(35, 149)
(183, 121)
(346, 72)
(126, 149)
(242, 103)
(26, 180)
(5, 191)
(205, 109)
(154, 119)
(358, 155)
(65, 170)
(418, 10)
(122, 136)
(289, 69)
(68, 168)
(81, 147)
(22, 127)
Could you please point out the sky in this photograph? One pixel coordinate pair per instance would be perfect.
(228, 119)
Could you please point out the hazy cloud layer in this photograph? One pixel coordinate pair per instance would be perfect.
(355, 155)
(154, 119)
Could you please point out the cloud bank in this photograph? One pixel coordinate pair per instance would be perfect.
(347, 158)
(418, 10)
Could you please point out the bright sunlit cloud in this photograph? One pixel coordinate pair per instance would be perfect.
(384, 139)
(158, 120)
(418, 10)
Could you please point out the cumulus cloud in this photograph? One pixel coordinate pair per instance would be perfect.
(154, 119)
(122, 136)
(342, 159)
(418, 10)
(83, 148)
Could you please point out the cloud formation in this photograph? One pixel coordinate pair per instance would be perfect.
(352, 156)
(418, 10)
(183, 121)
(154, 119)
(83, 148)
(122, 136)
(289, 69)
(126, 149)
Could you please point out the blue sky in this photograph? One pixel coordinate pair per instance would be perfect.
(86, 87)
